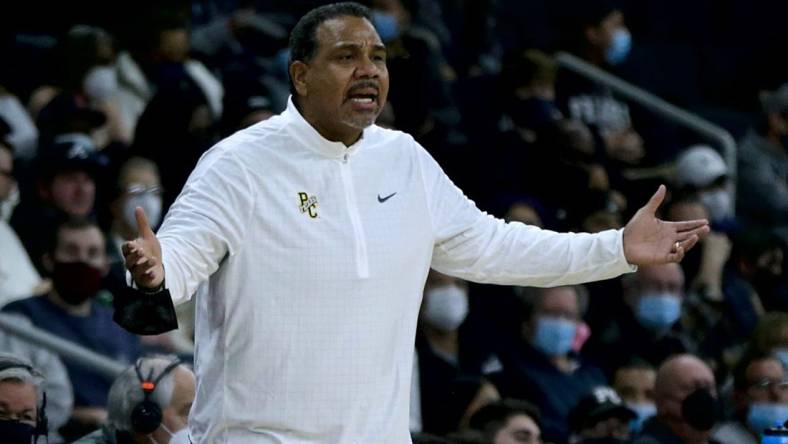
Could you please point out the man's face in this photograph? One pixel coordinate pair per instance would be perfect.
(519, 429)
(658, 279)
(682, 377)
(635, 385)
(18, 402)
(601, 36)
(559, 302)
(176, 415)
(73, 192)
(766, 382)
(6, 168)
(81, 245)
(344, 87)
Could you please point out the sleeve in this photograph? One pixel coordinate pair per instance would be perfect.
(206, 223)
(475, 246)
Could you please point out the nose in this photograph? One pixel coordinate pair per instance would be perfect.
(367, 69)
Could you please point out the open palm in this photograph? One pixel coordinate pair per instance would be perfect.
(652, 241)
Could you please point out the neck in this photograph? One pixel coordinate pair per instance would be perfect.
(340, 133)
(444, 341)
(82, 309)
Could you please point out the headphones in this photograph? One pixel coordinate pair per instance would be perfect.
(42, 423)
(146, 416)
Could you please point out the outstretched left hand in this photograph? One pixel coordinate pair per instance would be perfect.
(651, 241)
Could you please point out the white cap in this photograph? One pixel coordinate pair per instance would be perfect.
(699, 166)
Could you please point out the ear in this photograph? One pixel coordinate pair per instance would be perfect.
(298, 74)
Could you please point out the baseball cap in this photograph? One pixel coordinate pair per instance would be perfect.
(600, 404)
(72, 151)
(699, 166)
(66, 113)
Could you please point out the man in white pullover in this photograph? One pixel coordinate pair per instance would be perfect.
(310, 236)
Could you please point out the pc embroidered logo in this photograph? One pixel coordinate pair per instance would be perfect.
(308, 204)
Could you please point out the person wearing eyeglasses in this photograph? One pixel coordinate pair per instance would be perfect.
(760, 398)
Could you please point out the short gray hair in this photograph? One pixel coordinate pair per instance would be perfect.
(17, 369)
(126, 391)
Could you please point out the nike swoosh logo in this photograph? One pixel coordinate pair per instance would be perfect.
(383, 199)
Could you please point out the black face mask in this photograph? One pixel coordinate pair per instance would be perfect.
(76, 282)
(15, 432)
(700, 410)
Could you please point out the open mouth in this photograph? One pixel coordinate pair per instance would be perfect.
(363, 95)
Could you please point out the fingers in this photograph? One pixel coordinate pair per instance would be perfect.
(689, 225)
(656, 200)
(142, 223)
(681, 247)
(687, 244)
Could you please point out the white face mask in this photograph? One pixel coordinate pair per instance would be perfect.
(718, 203)
(150, 203)
(446, 307)
(101, 82)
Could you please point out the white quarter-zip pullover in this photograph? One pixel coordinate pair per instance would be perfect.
(311, 258)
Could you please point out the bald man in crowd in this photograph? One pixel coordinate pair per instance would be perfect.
(687, 405)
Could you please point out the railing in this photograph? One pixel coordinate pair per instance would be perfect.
(659, 106)
(66, 349)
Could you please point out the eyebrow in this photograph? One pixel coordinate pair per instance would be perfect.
(351, 45)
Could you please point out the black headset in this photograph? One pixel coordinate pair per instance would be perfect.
(146, 416)
(42, 423)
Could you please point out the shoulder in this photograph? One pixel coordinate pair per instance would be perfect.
(25, 305)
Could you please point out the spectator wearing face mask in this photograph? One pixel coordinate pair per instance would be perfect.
(138, 185)
(76, 262)
(172, 387)
(760, 399)
(634, 382)
(601, 37)
(650, 327)
(544, 367)
(21, 401)
(701, 173)
(444, 308)
(687, 405)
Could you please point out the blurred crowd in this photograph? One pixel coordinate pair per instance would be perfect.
(107, 107)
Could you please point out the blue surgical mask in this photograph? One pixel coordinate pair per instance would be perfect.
(554, 336)
(619, 48)
(658, 311)
(386, 24)
(644, 411)
(764, 415)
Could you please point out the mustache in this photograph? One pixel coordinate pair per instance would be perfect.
(364, 84)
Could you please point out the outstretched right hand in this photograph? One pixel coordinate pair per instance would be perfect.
(143, 255)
